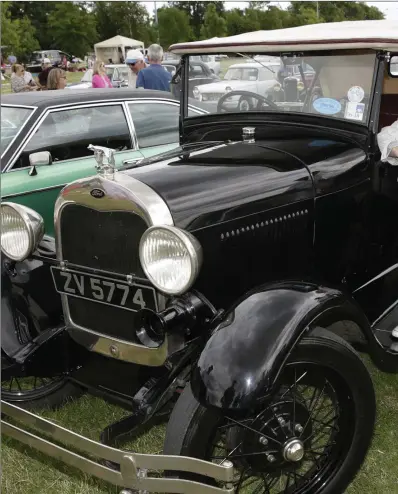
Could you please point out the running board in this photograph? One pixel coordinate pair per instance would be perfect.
(135, 468)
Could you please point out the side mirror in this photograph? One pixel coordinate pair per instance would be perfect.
(394, 66)
(39, 159)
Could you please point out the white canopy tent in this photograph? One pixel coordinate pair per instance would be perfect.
(115, 48)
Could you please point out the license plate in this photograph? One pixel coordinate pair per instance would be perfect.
(104, 290)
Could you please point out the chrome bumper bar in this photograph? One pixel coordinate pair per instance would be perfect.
(135, 468)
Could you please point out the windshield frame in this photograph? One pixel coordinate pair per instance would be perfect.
(24, 107)
(366, 123)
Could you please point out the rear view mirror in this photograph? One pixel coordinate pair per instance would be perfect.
(394, 66)
(40, 158)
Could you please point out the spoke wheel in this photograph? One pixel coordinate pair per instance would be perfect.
(310, 437)
(294, 441)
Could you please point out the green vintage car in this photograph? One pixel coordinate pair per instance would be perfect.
(45, 137)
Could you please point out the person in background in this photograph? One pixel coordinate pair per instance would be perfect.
(136, 62)
(387, 140)
(154, 76)
(100, 79)
(18, 83)
(29, 79)
(45, 69)
(56, 79)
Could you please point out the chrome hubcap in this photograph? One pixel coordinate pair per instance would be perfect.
(293, 450)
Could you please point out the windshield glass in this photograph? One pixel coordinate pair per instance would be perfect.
(332, 85)
(12, 120)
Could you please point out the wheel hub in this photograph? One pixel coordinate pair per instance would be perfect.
(293, 450)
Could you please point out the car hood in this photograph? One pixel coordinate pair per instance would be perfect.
(223, 182)
(232, 180)
(220, 86)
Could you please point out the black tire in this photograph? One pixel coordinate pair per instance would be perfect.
(48, 399)
(49, 393)
(191, 426)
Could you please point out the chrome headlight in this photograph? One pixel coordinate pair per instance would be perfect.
(171, 258)
(21, 230)
(196, 93)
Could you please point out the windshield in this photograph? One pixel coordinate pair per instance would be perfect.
(331, 85)
(12, 120)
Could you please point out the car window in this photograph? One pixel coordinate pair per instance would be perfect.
(196, 70)
(268, 74)
(156, 123)
(67, 133)
(12, 120)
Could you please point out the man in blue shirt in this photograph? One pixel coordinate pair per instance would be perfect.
(155, 76)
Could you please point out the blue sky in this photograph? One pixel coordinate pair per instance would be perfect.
(390, 8)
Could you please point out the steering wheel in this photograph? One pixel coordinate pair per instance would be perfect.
(245, 100)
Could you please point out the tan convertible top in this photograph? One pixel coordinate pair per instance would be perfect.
(376, 35)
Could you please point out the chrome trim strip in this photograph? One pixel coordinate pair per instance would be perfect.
(27, 192)
(123, 193)
(134, 467)
(131, 126)
(34, 108)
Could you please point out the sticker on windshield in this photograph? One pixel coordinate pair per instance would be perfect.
(354, 111)
(327, 106)
(355, 94)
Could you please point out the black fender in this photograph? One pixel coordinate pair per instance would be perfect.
(245, 354)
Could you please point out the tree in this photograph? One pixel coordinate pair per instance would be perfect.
(128, 19)
(73, 28)
(18, 35)
(306, 12)
(213, 24)
(173, 26)
(196, 13)
(37, 13)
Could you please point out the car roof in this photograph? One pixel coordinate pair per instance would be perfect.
(116, 65)
(376, 35)
(51, 98)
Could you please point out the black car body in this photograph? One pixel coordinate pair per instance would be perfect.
(227, 263)
(199, 73)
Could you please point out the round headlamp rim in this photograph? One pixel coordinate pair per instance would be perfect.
(30, 218)
(194, 251)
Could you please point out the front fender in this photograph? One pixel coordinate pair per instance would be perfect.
(244, 356)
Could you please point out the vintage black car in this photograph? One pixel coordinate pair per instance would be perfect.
(227, 281)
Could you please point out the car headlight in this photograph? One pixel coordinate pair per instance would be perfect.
(21, 230)
(196, 93)
(171, 258)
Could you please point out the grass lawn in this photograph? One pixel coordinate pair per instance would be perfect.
(70, 77)
(26, 471)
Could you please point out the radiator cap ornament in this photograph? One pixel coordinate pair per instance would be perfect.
(105, 158)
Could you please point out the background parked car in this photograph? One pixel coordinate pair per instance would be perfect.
(37, 57)
(136, 123)
(117, 73)
(199, 74)
(252, 76)
(210, 60)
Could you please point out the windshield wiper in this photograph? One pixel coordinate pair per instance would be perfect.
(180, 152)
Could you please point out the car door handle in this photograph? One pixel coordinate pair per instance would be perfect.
(133, 161)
